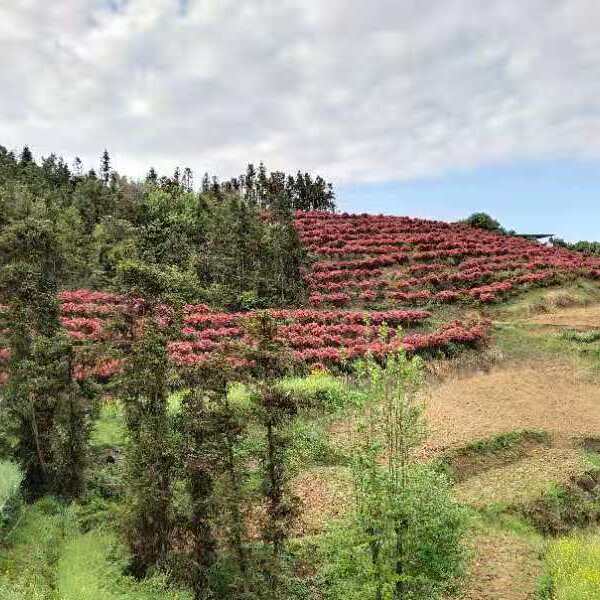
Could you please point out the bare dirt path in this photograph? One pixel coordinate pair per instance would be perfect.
(504, 567)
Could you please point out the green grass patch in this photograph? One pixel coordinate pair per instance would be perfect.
(91, 567)
(29, 555)
(319, 391)
(45, 557)
(109, 429)
(581, 337)
(10, 484)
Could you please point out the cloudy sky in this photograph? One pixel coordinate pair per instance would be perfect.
(429, 108)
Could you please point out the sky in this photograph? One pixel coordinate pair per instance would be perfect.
(435, 108)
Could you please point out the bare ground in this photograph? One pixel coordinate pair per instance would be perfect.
(550, 395)
(587, 317)
(504, 567)
(522, 480)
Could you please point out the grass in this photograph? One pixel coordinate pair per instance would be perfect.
(542, 299)
(91, 567)
(109, 430)
(573, 568)
(10, 482)
(483, 454)
(47, 558)
(581, 337)
(320, 391)
(30, 554)
(519, 482)
(503, 442)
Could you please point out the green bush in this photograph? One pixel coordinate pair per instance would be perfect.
(28, 556)
(483, 221)
(320, 390)
(10, 484)
(433, 549)
(574, 568)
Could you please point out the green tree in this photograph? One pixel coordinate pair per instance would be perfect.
(48, 411)
(150, 454)
(404, 538)
(26, 156)
(105, 167)
(483, 221)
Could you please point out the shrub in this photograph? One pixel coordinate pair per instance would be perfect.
(434, 527)
(319, 390)
(574, 568)
(10, 484)
(483, 221)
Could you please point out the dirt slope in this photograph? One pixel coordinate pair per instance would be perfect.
(549, 395)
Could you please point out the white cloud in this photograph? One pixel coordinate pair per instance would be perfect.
(359, 91)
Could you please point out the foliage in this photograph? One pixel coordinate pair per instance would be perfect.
(573, 565)
(592, 248)
(483, 221)
(217, 239)
(320, 390)
(46, 557)
(432, 546)
(48, 410)
(91, 565)
(29, 555)
(403, 539)
(380, 261)
(10, 483)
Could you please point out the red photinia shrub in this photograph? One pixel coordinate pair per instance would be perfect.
(425, 260)
(336, 299)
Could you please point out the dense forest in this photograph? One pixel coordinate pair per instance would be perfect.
(231, 244)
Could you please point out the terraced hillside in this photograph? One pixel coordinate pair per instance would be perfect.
(377, 260)
(366, 270)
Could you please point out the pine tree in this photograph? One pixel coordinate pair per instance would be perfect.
(105, 167)
(262, 184)
(48, 411)
(152, 177)
(26, 156)
(188, 179)
(77, 167)
(205, 183)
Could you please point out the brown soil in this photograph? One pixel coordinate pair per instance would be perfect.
(325, 494)
(552, 396)
(504, 567)
(576, 318)
(524, 480)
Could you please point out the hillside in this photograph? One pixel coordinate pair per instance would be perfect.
(509, 330)
(365, 271)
